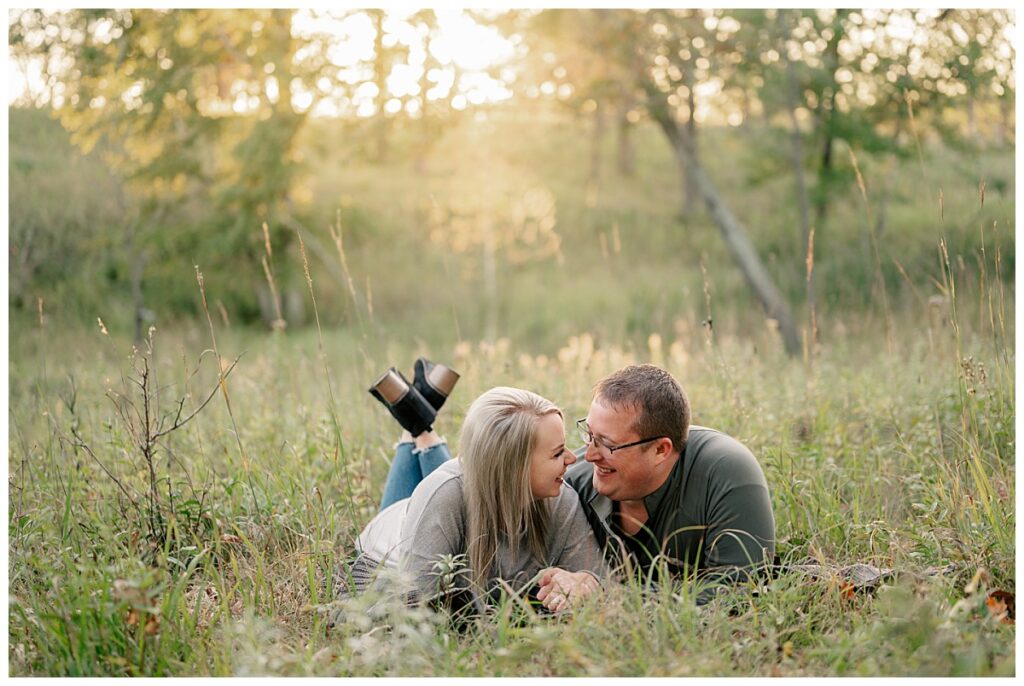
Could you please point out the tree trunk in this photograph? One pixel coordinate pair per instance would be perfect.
(380, 119)
(594, 177)
(294, 306)
(792, 100)
(490, 274)
(732, 231)
(318, 250)
(828, 115)
(420, 159)
(824, 177)
(690, 191)
(625, 157)
(972, 120)
(1005, 125)
(138, 268)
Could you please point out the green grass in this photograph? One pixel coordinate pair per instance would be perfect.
(892, 443)
(899, 455)
(425, 278)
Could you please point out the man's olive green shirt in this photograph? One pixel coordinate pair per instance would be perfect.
(713, 511)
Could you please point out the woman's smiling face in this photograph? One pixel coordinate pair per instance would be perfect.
(549, 459)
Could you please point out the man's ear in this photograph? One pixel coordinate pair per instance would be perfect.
(663, 449)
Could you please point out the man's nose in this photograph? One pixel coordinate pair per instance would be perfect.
(592, 454)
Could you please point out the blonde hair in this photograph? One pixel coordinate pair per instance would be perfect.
(498, 436)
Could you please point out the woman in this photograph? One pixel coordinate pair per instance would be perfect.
(502, 505)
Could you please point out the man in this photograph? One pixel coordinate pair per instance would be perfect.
(655, 489)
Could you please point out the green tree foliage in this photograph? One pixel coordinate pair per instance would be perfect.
(63, 207)
(202, 118)
(661, 63)
(857, 72)
(433, 115)
(883, 82)
(877, 80)
(593, 77)
(194, 110)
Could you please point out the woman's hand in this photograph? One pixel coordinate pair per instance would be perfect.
(560, 589)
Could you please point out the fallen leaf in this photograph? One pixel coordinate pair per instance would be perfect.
(123, 590)
(152, 625)
(325, 653)
(979, 577)
(129, 592)
(1000, 605)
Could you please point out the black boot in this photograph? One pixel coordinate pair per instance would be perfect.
(434, 381)
(404, 402)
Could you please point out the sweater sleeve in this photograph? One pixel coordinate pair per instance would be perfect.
(580, 551)
(434, 528)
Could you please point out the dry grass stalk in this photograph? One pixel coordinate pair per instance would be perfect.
(279, 323)
(708, 323)
(812, 341)
(340, 246)
(369, 298)
(913, 131)
(309, 282)
(222, 381)
(223, 314)
(879, 276)
(906, 277)
(1002, 303)
(320, 340)
(266, 240)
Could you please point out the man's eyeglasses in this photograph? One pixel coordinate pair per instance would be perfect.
(588, 437)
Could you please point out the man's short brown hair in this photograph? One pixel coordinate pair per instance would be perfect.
(662, 408)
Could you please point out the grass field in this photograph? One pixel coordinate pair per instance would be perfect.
(210, 550)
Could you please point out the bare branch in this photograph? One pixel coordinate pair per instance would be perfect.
(178, 424)
(79, 442)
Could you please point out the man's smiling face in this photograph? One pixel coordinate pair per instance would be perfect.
(628, 474)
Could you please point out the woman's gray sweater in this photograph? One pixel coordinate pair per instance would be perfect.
(416, 534)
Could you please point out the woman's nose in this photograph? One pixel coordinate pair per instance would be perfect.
(572, 457)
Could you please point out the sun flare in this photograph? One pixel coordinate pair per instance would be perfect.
(452, 59)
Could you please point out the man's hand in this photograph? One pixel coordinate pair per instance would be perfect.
(560, 589)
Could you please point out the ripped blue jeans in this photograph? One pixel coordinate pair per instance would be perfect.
(409, 467)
